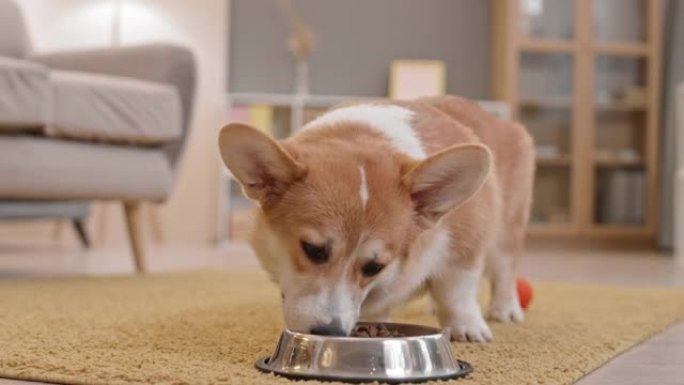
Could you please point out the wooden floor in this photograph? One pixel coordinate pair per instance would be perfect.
(657, 361)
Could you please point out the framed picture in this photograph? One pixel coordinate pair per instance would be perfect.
(411, 79)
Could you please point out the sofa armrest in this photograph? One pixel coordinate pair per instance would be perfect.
(161, 63)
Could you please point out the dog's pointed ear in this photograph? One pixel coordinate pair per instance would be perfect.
(261, 165)
(448, 178)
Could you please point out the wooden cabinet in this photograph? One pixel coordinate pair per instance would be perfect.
(583, 76)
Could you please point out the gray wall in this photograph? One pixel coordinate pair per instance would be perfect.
(356, 42)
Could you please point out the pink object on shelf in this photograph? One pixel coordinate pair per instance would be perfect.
(239, 114)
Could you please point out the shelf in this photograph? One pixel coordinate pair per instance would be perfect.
(547, 45)
(550, 229)
(619, 107)
(561, 102)
(552, 102)
(496, 108)
(617, 49)
(289, 100)
(621, 49)
(558, 161)
(618, 163)
(627, 231)
(595, 230)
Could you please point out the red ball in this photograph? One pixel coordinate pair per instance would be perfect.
(524, 292)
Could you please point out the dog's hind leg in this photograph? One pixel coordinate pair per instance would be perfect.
(517, 187)
(503, 258)
(505, 304)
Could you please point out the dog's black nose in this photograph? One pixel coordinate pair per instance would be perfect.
(333, 329)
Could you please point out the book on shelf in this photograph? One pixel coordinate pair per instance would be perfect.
(622, 197)
(259, 116)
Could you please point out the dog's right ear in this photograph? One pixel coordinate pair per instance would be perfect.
(261, 165)
(448, 178)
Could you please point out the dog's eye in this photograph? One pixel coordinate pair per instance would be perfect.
(372, 269)
(317, 254)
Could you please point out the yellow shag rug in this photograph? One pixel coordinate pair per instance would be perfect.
(210, 327)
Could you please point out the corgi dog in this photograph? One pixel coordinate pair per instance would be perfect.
(373, 203)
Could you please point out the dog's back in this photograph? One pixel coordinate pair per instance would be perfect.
(443, 121)
(512, 148)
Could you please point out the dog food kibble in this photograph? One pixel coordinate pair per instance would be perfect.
(375, 331)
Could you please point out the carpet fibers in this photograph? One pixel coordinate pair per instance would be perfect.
(210, 327)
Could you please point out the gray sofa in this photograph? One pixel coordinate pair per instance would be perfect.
(104, 124)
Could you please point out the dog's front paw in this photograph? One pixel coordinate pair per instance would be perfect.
(472, 328)
(507, 310)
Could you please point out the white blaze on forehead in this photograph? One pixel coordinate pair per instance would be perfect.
(363, 188)
(394, 122)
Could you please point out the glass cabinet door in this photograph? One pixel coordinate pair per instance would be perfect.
(622, 21)
(545, 99)
(620, 95)
(547, 19)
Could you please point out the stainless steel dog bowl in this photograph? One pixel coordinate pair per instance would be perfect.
(424, 354)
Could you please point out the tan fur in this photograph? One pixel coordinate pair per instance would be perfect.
(513, 151)
(308, 190)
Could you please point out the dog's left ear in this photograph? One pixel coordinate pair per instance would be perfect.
(448, 178)
(264, 168)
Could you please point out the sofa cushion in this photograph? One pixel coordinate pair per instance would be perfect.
(113, 109)
(45, 168)
(24, 96)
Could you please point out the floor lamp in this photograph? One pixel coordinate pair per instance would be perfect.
(117, 10)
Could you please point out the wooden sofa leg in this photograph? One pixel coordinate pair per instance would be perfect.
(133, 224)
(79, 226)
